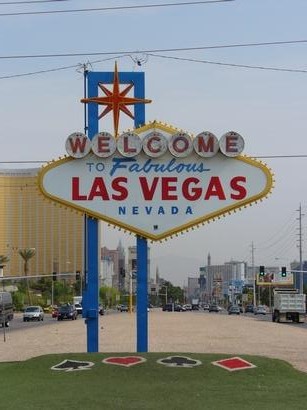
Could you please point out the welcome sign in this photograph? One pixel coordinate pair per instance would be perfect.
(156, 181)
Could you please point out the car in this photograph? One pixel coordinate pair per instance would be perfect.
(214, 308)
(78, 307)
(234, 310)
(206, 306)
(67, 311)
(188, 307)
(260, 310)
(168, 307)
(249, 309)
(179, 308)
(101, 310)
(33, 313)
(124, 308)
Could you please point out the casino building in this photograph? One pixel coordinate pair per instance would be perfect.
(28, 220)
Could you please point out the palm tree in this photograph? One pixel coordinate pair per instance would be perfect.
(26, 255)
(3, 260)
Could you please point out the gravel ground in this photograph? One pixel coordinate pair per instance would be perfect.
(168, 332)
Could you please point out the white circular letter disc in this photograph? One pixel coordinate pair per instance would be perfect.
(129, 144)
(206, 144)
(154, 144)
(77, 145)
(103, 144)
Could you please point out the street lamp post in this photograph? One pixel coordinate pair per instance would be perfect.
(52, 292)
(3, 310)
(164, 294)
(132, 276)
(130, 292)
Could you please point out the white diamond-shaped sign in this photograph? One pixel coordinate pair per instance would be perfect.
(156, 197)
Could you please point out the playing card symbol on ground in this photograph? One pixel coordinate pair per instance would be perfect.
(72, 365)
(234, 363)
(126, 361)
(179, 361)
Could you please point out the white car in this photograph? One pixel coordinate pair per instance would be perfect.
(260, 310)
(78, 307)
(33, 313)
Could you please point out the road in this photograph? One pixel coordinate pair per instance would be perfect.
(264, 318)
(18, 324)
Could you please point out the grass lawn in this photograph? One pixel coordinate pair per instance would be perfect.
(31, 384)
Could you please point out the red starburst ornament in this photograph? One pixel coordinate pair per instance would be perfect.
(115, 101)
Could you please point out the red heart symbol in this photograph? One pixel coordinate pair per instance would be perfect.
(125, 361)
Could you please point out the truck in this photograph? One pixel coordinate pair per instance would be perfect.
(289, 305)
(77, 301)
(6, 309)
(195, 304)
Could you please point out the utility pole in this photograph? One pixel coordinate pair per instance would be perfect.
(254, 275)
(301, 274)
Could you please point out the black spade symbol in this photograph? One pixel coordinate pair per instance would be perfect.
(72, 365)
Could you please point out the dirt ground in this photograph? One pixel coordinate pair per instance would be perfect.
(167, 332)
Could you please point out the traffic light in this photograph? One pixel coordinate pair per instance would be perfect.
(283, 272)
(54, 276)
(78, 275)
(261, 270)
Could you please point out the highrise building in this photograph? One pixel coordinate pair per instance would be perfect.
(28, 220)
(132, 266)
(117, 256)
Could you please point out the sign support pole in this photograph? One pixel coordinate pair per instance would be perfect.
(142, 303)
(90, 295)
(92, 252)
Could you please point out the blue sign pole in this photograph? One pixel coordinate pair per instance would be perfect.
(90, 295)
(92, 252)
(142, 252)
(142, 303)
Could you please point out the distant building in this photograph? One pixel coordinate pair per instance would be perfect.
(217, 281)
(132, 268)
(297, 275)
(193, 289)
(117, 257)
(106, 272)
(28, 220)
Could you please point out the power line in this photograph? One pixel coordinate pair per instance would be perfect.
(263, 68)
(251, 156)
(6, 3)
(257, 67)
(133, 7)
(281, 156)
(153, 51)
(50, 70)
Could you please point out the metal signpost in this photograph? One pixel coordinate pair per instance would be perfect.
(90, 293)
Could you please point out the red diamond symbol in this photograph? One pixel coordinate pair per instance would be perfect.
(234, 363)
(125, 361)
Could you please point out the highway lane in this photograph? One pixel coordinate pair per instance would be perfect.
(17, 323)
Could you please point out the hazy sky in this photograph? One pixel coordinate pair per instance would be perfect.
(194, 90)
